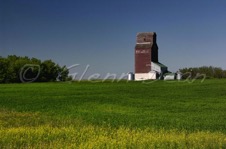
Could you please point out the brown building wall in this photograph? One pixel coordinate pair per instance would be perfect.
(146, 51)
(142, 60)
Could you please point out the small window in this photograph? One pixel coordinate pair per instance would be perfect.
(144, 39)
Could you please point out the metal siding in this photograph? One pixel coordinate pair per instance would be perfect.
(130, 76)
(169, 77)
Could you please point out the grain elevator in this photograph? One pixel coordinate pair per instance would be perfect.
(147, 65)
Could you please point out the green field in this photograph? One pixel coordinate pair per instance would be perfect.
(113, 115)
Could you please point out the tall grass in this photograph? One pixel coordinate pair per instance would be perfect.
(113, 115)
(77, 135)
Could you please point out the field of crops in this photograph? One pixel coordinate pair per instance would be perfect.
(113, 115)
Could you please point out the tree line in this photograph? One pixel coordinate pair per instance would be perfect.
(15, 69)
(204, 71)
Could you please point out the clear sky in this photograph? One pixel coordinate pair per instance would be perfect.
(102, 33)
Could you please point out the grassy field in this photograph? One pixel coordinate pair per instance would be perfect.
(113, 115)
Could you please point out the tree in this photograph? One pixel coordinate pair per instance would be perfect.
(210, 72)
(14, 69)
(4, 69)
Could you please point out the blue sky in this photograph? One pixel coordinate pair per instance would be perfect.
(102, 33)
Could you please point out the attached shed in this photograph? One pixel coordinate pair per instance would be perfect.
(159, 68)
